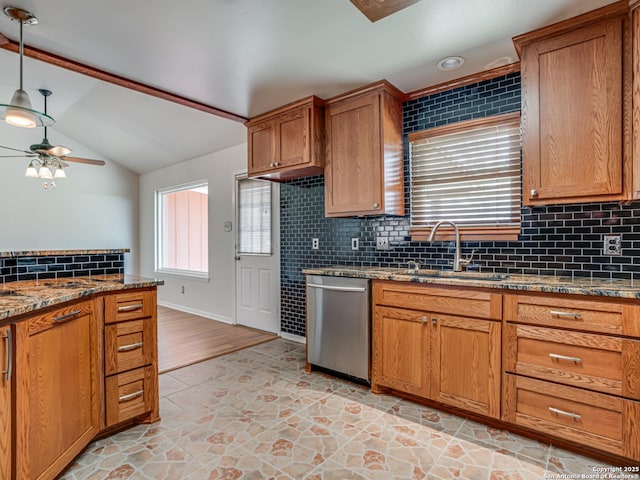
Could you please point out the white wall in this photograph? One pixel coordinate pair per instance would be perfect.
(214, 298)
(93, 208)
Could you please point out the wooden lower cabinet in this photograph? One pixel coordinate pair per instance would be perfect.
(57, 389)
(465, 365)
(601, 421)
(401, 350)
(131, 357)
(6, 365)
(452, 359)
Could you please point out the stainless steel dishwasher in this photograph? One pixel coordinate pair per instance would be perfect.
(338, 324)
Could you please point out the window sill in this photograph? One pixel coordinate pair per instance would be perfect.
(197, 276)
(420, 234)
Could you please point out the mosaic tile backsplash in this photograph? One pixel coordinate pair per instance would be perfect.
(59, 266)
(554, 240)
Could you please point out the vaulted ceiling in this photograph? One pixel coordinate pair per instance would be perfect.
(245, 57)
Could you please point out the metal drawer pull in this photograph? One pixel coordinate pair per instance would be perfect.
(565, 314)
(9, 369)
(130, 308)
(555, 356)
(131, 346)
(131, 396)
(557, 411)
(66, 317)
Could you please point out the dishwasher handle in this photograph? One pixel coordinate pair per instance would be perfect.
(337, 288)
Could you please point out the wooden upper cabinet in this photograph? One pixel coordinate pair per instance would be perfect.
(575, 83)
(364, 164)
(288, 142)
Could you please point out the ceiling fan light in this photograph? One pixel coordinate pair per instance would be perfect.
(31, 172)
(19, 111)
(44, 172)
(59, 173)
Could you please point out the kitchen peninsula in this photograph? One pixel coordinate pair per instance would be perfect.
(78, 356)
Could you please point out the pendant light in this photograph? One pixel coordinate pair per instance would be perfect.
(19, 111)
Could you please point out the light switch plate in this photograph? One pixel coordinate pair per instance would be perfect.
(355, 243)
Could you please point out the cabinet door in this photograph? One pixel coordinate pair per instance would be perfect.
(466, 363)
(57, 394)
(292, 136)
(353, 172)
(572, 116)
(6, 347)
(401, 350)
(262, 146)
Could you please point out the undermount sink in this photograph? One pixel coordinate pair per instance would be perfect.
(495, 277)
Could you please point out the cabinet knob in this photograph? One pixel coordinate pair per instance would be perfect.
(434, 321)
(534, 192)
(376, 205)
(272, 164)
(276, 164)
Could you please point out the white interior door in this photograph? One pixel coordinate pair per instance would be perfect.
(258, 254)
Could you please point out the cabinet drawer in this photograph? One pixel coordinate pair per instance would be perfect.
(454, 301)
(595, 419)
(595, 362)
(615, 318)
(129, 345)
(121, 307)
(129, 394)
(40, 323)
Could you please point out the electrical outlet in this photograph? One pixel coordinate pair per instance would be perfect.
(181, 288)
(355, 243)
(315, 243)
(612, 245)
(382, 243)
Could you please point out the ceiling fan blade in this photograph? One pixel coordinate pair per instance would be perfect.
(83, 160)
(16, 149)
(17, 156)
(59, 151)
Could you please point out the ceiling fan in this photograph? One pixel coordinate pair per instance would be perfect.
(48, 161)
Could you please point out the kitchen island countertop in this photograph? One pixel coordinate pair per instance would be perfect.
(619, 288)
(17, 298)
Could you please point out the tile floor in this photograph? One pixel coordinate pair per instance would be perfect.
(255, 414)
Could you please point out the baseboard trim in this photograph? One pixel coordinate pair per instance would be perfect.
(201, 313)
(293, 338)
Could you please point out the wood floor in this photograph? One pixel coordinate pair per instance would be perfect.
(184, 339)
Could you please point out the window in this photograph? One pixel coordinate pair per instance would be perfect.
(254, 217)
(183, 229)
(469, 173)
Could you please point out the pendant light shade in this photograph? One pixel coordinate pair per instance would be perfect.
(19, 112)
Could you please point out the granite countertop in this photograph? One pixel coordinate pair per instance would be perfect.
(46, 253)
(528, 283)
(27, 296)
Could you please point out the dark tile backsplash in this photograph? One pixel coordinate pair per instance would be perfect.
(59, 266)
(554, 240)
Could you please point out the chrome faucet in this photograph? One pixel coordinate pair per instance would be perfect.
(458, 262)
(414, 265)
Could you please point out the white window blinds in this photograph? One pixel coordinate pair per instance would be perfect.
(471, 176)
(254, 217)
